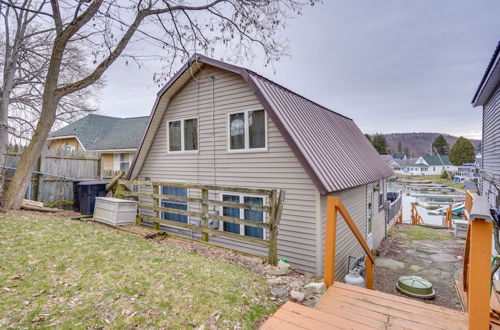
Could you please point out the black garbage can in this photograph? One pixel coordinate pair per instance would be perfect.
(76, 194)
(88, 191)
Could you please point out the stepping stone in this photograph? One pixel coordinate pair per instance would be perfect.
(443, 257)
(389, 263)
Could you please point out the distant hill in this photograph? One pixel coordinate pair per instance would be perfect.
(419, 143)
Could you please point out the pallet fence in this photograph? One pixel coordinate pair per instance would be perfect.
(272, 208)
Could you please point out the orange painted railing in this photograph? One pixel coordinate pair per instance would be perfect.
(448, 218)
(335, 205)
(469, 201)
(477, 256)
(415, 217)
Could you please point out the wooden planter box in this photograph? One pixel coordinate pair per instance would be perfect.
(115, 211)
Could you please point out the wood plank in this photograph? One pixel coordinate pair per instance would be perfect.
(369, 318)
(304, 321)
(276, 324)
(427, 309)
(462, 295)
(396, 299)
(314, 319)
(170, 210)
(237, 237)
(409, 314)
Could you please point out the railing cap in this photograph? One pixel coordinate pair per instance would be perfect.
(480, 209)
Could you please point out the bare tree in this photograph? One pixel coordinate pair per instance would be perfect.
(24, 43)
(105, 27)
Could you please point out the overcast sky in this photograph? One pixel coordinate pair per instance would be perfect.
(391, 65)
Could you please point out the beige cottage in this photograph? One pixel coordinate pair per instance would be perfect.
(216, 123)
(115, 139)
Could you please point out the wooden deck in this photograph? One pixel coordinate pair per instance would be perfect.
(349, 307)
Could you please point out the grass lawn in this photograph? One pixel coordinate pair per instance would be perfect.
(448, 182)
(68, 274)
(416, 233)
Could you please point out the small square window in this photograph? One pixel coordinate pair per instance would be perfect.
(182, 135)
(247, 131)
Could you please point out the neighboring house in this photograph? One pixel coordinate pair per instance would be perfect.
(398, 155)
(390, 161)
(406, 166)
(435, 165)
(217, 123)
(488, 97)
(115, 139)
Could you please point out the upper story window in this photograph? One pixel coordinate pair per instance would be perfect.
(182, 135)
(248, 131)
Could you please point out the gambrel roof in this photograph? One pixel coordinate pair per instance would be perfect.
(330, 146)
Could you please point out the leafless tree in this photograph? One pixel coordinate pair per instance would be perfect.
(104, 28)
(25, 45)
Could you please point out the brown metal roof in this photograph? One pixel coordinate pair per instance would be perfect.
(330, 146)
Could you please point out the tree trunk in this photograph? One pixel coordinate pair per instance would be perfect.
(21, 179)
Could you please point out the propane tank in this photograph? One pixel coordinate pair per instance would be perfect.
(354, 278)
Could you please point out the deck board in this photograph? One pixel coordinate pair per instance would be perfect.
(348, 307)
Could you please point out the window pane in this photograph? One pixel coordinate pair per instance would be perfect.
(191, 134)
(257, 129)
(173, 204)
(255, 216)
(124, 166)
(231, 212)
(174, 135)
(237, 130)
(123, 157)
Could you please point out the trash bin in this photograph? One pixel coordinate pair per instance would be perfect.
(76, 194)
(88, 191)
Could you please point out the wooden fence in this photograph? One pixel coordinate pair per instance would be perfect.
(52, 180)
(205, 197)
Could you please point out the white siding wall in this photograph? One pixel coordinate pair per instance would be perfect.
(491, 145)
(277, 168)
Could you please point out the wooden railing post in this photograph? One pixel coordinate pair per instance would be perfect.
(204, 213)
(330, 240)
(156, 202)
(369, 273)
(272, 257)
(478, 293)
(333, 205)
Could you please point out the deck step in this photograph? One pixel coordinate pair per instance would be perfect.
(345, 306)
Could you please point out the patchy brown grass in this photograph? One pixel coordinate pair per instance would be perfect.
(62, 273)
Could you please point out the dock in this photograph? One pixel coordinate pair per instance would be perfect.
(345, 306)
(439, 196)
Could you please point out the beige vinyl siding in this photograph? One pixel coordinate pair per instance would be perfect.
(276, 168)
(379, 217)
(354, 200)
(491, 145)
(60, 143)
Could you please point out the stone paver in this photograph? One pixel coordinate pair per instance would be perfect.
(439, 261)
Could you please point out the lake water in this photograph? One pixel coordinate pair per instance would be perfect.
(408, 200)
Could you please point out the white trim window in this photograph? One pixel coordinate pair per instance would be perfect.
(247, 131)
(124, 162)
(252, 215)
(182, 135)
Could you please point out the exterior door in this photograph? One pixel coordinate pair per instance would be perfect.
(369, 215)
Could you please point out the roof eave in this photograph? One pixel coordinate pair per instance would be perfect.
(489, 82)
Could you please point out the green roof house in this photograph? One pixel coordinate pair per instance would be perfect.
(435, 165)
(115, 139)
